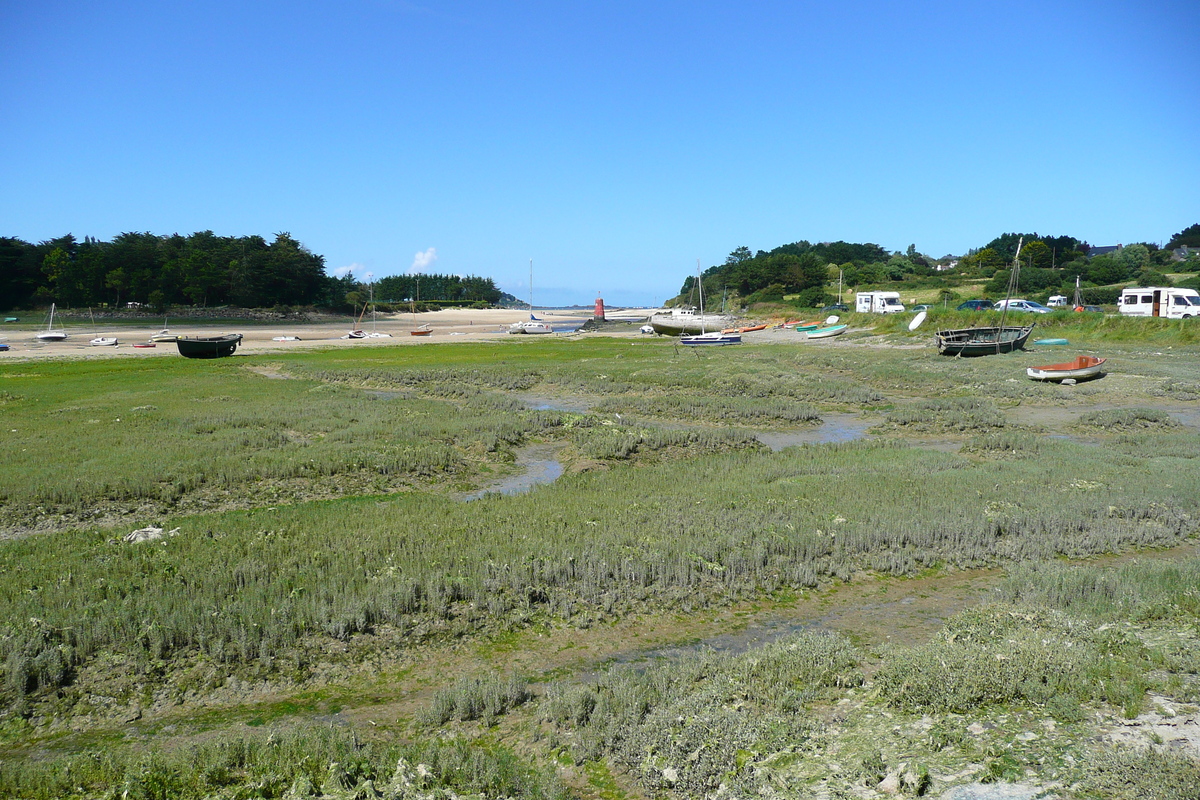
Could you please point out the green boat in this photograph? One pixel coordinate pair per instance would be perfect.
(12, 319)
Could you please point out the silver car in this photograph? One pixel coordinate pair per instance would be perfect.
(1023, 305)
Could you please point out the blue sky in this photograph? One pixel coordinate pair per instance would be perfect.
(613, 143)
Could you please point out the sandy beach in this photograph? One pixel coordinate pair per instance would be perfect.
(447, 325)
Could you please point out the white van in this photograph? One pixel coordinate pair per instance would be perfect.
(1057, 301)
(878, 303)
(1157, 301)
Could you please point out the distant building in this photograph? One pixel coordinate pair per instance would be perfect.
(1182, 253)
(946, 267)
(1103, 250)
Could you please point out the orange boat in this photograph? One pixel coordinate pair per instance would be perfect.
(762, 327)
(1081, 367)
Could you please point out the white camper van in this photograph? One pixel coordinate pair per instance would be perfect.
(1157, 301)
(878, 303)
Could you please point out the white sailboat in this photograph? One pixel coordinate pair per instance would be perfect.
(533, 325)
(101, 341)
(374, 334)
(50, 334)
(705, 337)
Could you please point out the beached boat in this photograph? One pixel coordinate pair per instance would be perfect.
(285, 338)
(424, 330)
(988, 341)
(801, 326)
(145, 344)
(826, 332)
(711, 338)
(12, 319)
(3, 347)
(680, 321)
(52, 334)
(104, 341)
(164, 336)
(717, 337)
(533, 325)
(1081, 368)
(981, 341)
(208, 346)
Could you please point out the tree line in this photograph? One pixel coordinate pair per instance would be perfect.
(805, 270)
(202, 269)
(431, 288)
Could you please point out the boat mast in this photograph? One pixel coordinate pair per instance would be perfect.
(1012, 286)
(531, 288)
(700, 282)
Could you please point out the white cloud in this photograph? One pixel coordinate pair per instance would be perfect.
(423, 261)
(342, 272)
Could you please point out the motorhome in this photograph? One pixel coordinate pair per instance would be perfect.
(878, 303)
(1158, 301)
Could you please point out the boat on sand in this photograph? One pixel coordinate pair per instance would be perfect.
(208, 346)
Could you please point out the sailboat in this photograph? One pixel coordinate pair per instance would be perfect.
(990, 340)
(704, 337)
(165, 334)
(533, 325)
(101, 341)
(50, 334)
(374, 334)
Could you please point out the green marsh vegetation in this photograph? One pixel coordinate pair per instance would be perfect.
(268, 583)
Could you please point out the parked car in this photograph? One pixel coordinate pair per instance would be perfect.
(975, 305)
(835, 308)
(919, 309)
(1023, 305)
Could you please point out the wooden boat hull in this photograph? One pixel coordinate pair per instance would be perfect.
(1081, 368)
(208, 346)
(981, 341)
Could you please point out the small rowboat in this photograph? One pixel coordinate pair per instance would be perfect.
(825, 333)
(3, 347)
(145, 344)
(1051, 341)
(285, 338)
(1081, 368)
(104, 341)
(208, 346)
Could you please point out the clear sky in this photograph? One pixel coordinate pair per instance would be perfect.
(614, 143)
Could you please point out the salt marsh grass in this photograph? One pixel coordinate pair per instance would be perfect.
(300, 763)
(271, 585)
